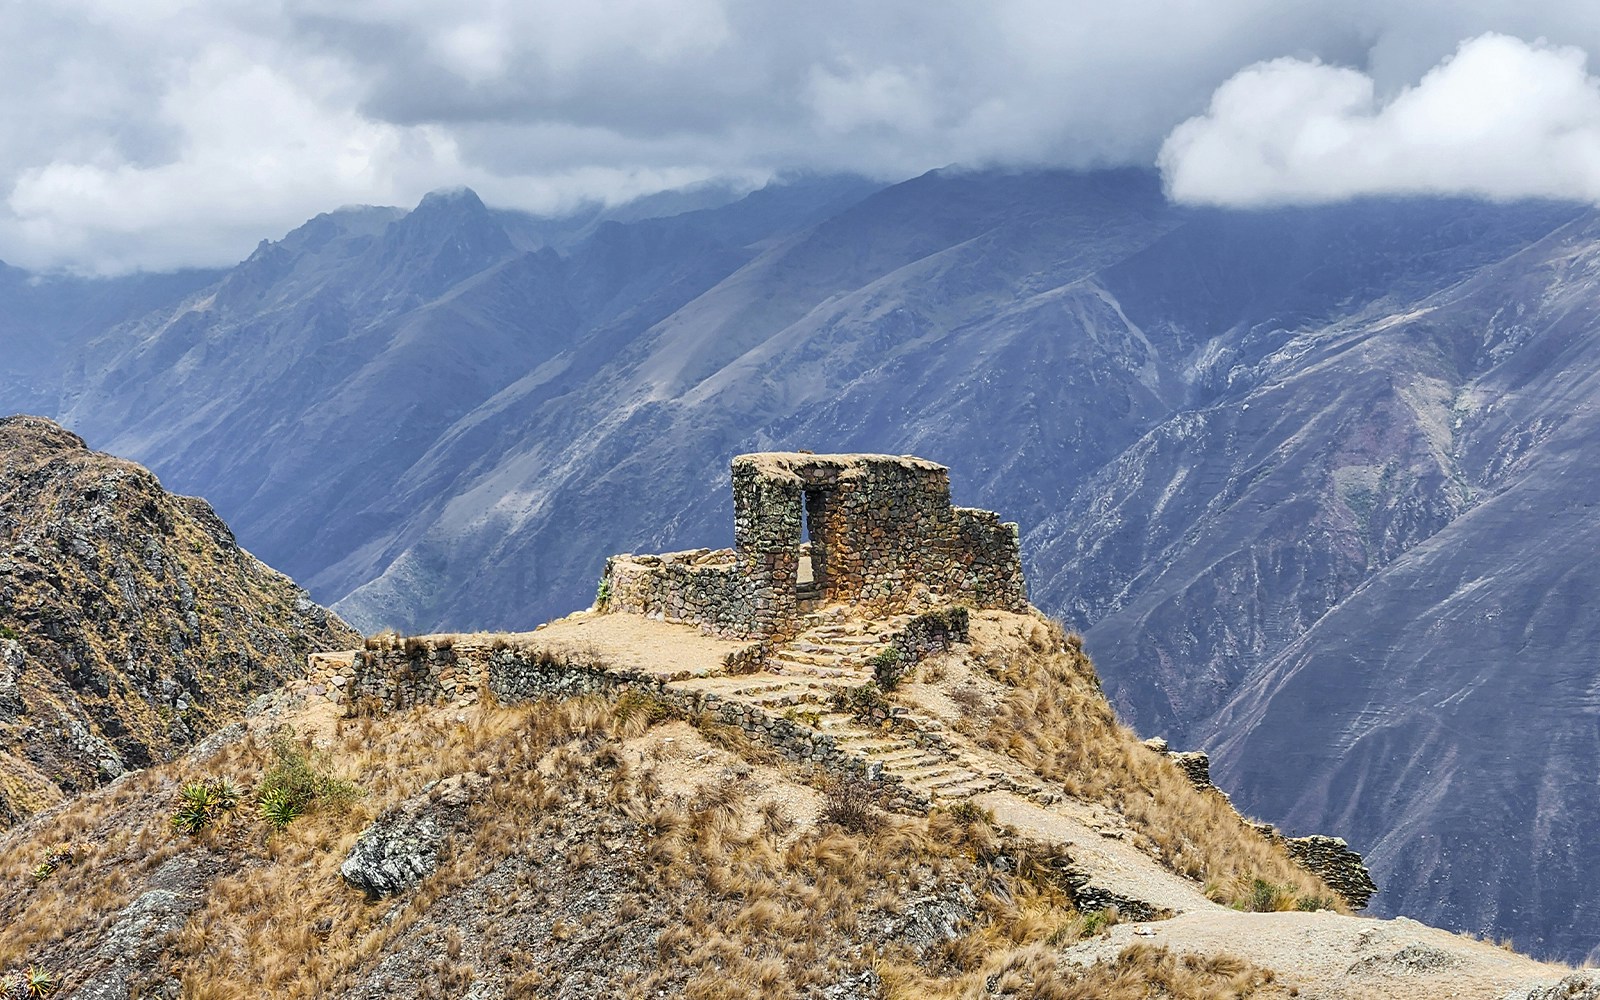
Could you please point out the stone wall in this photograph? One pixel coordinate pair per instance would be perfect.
(882, 533)
(1331, 859)
(928, 633)
(396, 676)
(986, 566)
(700, 587)
(389, 676)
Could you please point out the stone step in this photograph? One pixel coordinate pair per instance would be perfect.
(931, 774)
(908, 756)
(769, 687)
(810, 659)
(848, 676)
(958, 794)
(959, 786)
(793, 700)
(835, 639)
(862, 745)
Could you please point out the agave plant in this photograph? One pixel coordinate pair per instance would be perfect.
(200, 803)
(37, 982)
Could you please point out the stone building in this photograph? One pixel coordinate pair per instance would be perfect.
(876, 530)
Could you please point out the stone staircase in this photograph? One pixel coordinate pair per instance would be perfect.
(833, 646)
(833, 654)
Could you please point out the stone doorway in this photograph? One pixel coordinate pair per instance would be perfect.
(810, 588)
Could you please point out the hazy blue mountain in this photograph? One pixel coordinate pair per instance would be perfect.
(1314, 482)
(46, 319)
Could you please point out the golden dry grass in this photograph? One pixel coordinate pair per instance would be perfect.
(576, 872)
(1140, 972)
(709, 895)
(1052, 717)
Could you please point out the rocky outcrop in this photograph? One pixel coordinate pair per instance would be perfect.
(1196, 766)
(402, 847)
(131, 622)
(1578, 986)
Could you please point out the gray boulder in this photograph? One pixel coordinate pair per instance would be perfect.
(403, 846)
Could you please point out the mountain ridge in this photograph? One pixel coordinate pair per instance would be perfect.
(1217, 428)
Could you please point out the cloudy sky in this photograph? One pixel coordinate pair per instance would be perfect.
(159, 133)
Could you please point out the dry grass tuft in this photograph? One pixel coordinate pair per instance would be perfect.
(1052, 717)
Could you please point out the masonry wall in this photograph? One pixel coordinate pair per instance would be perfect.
(699, 587)
(882, 533)
(396, 677)
(985, 566)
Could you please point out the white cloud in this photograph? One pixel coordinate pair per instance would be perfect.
(1501, 118)
(170, 132)
(254, 147)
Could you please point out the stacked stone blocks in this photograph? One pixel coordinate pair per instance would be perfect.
(395, 677)
(883, 534)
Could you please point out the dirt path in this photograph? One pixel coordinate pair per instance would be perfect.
(1333, 957)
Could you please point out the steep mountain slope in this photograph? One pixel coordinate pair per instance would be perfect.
(1221, 431)
(1404, 654)
(46, 319)
(314, 375)
(131, 623)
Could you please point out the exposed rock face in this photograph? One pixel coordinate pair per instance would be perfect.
(1578, 986)
(401, 847)
(131, 623)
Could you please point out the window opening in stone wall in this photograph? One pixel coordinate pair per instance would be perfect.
(808, 582)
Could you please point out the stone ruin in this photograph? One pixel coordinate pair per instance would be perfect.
(809, 530)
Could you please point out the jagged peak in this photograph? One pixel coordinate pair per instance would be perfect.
(459, 197)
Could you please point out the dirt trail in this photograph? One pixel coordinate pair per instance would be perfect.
(1329, 956)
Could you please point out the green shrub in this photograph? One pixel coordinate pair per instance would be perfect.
(300, 780)
(633, 702)
(1266, 897)
(602, 593)
(969, 813)
(7, 632)
(1098, 920)
(34, 983)
(201, 803)
(886, 668)
(866, 702)
(61, 854)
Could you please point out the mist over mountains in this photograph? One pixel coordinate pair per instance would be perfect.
(1315, 483)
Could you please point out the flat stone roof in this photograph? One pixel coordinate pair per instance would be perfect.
(791, 465)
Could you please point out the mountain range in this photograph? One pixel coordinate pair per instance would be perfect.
(1315, 483)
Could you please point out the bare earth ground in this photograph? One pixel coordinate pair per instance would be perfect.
(1334, 957)
(628, 642)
